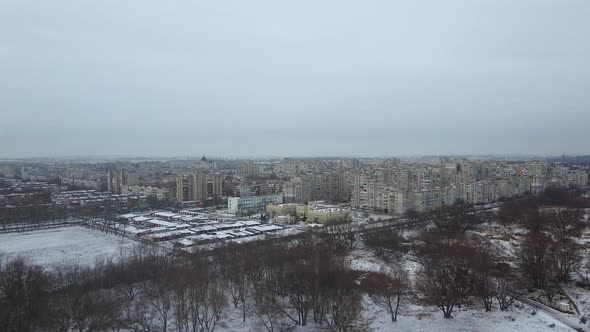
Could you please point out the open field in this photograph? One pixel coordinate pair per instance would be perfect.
(424, 319)
(59, 245)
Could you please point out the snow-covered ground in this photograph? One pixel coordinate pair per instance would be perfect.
(580, 296)
(418, 318)
(47, 247)
(61, 245)
(364, 260)
(414, 317)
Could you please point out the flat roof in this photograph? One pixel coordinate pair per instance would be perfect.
(202, 237)
(249, 222)
(171, 233)
(141, 218)
(161, 222)
(165, 214)
(223, 235)
(158, 229)
(240, 232)
(267, 228)
(207, 228)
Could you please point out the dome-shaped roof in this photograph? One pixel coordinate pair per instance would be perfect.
(203, 158)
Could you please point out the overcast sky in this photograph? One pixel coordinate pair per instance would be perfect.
(245, 78)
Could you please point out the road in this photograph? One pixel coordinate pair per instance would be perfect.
(570, 321)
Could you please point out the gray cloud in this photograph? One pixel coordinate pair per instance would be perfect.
(302, 78)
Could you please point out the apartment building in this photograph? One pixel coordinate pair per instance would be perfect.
(248, 168)
(159, 193)
(198, 186)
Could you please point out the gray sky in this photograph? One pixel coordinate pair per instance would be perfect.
(294, 77)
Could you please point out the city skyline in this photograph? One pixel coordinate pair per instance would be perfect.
(233, 166)
(410, 157)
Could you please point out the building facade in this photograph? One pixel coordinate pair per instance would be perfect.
(251, 204)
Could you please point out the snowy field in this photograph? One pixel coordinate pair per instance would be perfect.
(416, 318)
(62, 245)
(421, 319)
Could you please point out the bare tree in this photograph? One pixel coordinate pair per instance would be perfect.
(139, 316)
(23, 289)
(566, 224)
(504, 293)
(344, 308)
(74, 303)
(445, 278)
(565, 258)
(159, 295)
(269, 316)
(341, 237)
(483, 266)
(206, 302)
(534, 258)
(392, 289)
(234, 264)
(452, 219)
(115, 314)
(343, 301)
(413, 215)
(180, 301)
(382, 241)
(515, 210)
(550, 289)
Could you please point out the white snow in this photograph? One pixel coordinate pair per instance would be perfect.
(419, 318)
(364, 260)
(60, 245)
(422, 319)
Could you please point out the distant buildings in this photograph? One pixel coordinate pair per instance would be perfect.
(396, 188)
(159, 193)
(116, 179)
(323, 186)
(371, 184)
(248, 168)
(83, 183)
(96, 198)
(198, 186)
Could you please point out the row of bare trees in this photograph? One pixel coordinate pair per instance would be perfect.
(454, 268)
(293, 284)
(278, 285)
(457, 264)
(144, 291)
(550, 253)
(454, 263)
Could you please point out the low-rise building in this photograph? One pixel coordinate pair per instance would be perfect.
(251, 204)
(317, 213)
